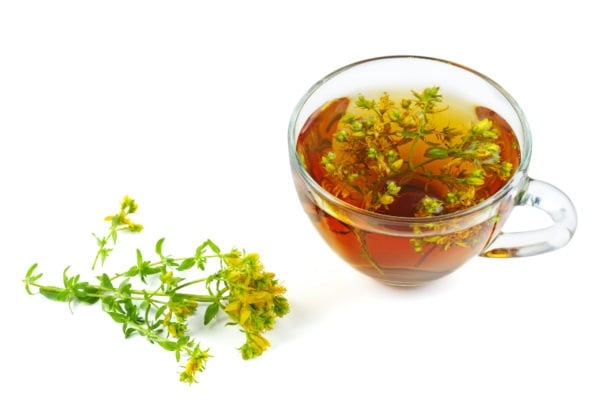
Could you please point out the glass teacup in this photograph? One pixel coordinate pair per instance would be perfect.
(449, 213)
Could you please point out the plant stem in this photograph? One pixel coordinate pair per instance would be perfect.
(425, 255)
(363, 244)
(189, 283)
(411, 153)
(103, 292)
(101, 247)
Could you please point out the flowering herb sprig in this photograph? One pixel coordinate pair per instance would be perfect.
(153, 299)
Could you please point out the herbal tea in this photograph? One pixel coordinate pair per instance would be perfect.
(412, 155)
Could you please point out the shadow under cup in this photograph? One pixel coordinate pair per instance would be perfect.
(407, 251)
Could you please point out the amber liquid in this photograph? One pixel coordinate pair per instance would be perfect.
(391, 258)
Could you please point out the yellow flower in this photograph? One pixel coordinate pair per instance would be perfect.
(245, 313)
(506, 169)
(195, 363)
(167, 277)
(176, 329)
(133, 227)
(128, 205)
(254, 300)
(255, 345)
(417, 245)
(182, 309)
(385, 102)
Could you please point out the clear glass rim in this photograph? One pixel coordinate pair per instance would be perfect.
(513, 182)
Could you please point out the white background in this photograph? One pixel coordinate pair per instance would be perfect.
(184, 106)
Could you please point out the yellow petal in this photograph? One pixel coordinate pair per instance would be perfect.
(245, 314)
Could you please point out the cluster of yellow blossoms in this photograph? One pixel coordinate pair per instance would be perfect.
(255, 299)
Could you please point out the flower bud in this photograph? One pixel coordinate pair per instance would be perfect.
(437, 152)
(386, 199)
(372, 153)
(475, 181)
(341, 136)
(397, 165)
(392, 188)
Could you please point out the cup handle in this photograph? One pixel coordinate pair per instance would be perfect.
(556, 204)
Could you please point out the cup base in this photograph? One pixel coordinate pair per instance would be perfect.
(404, 277)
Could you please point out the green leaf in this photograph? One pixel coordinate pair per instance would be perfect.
(168, 345)
(131, 309)
(155, 325)
(128, 331)
(125, 289)
(117, 317)
(169, 261)
(148, 270)
(145, 306)
(54, 293)
(158, 247)
(66, 279)
(105, 282)
(199, 256)
(143, 267)
(186, 264)
(86, 293)
(160, 311)
(108, 303)
(210, 244)
(104, 252)
(118, 307)
(29, 273)
(113, 233)
(30, 278)
(211, 312)
(131, 272)
(183, 340)
(213, 246)
(140, 259)
(101, 242)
